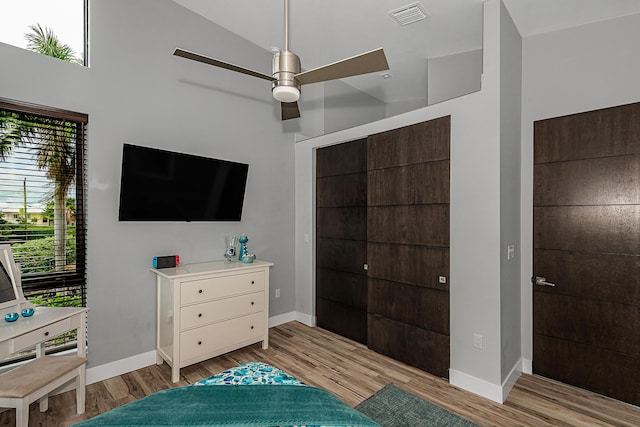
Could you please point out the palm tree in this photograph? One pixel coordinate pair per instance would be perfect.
(56, 149)
(44, 41)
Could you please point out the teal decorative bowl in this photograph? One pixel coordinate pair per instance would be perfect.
(27, 312)
(11, 317)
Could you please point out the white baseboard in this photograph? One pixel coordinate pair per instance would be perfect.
(475, 385)
(306, 319)
(511, 380)
(119, 367)
(282, 318)
(495, 392)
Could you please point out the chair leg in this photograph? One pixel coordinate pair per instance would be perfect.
(81, 393)
(44, 403)
(22, 413)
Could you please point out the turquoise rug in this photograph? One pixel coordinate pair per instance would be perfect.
(394, 407)
(234, 406)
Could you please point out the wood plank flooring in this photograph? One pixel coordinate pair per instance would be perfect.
(352, 372)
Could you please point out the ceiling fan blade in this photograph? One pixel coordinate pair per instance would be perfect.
(364, 63)
(206, 60)
(289, 110)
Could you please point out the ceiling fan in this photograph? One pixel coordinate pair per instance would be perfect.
(287, 76)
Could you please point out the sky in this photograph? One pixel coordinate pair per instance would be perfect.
(64, 17)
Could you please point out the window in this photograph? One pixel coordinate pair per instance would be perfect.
(42, 176)
(66, 20)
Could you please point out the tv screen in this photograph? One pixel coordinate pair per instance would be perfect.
(159, 185)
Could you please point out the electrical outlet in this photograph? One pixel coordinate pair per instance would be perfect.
(277, 293)
(477, 341)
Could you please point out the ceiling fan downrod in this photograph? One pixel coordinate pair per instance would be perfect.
(286, 65)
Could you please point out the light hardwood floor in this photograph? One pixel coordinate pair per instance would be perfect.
(353, 373)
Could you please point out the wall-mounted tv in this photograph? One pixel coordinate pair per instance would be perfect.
(159, 185)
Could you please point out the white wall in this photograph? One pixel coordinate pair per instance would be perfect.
(454, 75)
(474, 215)
(510, 105)
(135, 91)
(570, 71)
(346, 107)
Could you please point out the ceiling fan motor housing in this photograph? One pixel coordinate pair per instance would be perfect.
(286, 65)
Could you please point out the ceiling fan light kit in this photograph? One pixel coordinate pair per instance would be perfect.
(285, 87)
(287, 77)
(285, 93)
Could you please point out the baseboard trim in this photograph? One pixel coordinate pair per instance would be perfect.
(282, 318)
(510, 381)
(306, 319)
(129, 364)
(475, 385)
(119, 367)
(527, 366)
(495, 392)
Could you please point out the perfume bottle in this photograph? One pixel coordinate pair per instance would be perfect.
(231, 250)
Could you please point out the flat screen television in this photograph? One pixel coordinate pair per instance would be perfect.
(159, 185)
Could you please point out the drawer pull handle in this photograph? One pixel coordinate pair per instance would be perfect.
(199, 342)
(253, 281)
(46, 334)
(199, 314)
(252, 303)
(200, 291)
(251, 326)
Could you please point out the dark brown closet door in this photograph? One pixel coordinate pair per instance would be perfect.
(587, 247)
(408, 244)
(341, 247)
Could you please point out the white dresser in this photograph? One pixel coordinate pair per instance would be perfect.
(208, 309)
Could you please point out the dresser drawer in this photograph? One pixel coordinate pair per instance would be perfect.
(194, 291)
(218, 336)
(44, 334)
(207, 312)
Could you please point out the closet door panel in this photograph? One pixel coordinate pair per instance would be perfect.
(342, 319)
(345, 288)
(341, 255)
(342, 190)
(405, 303)
(397, 186)
(342, 223)
(409, 224)
(399, 263)
(408, 244)
(342, 159)
(341, 233)
(418, 347)
(419, 143)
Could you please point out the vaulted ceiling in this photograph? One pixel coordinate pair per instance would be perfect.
(324, 31)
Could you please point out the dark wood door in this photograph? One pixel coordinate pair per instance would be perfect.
(341, 245)
(408, 244)
(586, 217)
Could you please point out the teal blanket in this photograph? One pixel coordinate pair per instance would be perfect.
(231, 406)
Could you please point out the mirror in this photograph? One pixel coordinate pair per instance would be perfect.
(10, 288)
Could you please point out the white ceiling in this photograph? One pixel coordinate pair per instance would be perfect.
(325, 31)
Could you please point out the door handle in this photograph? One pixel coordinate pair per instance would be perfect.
(542, 281)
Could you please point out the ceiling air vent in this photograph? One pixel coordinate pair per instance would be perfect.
(410, 13)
